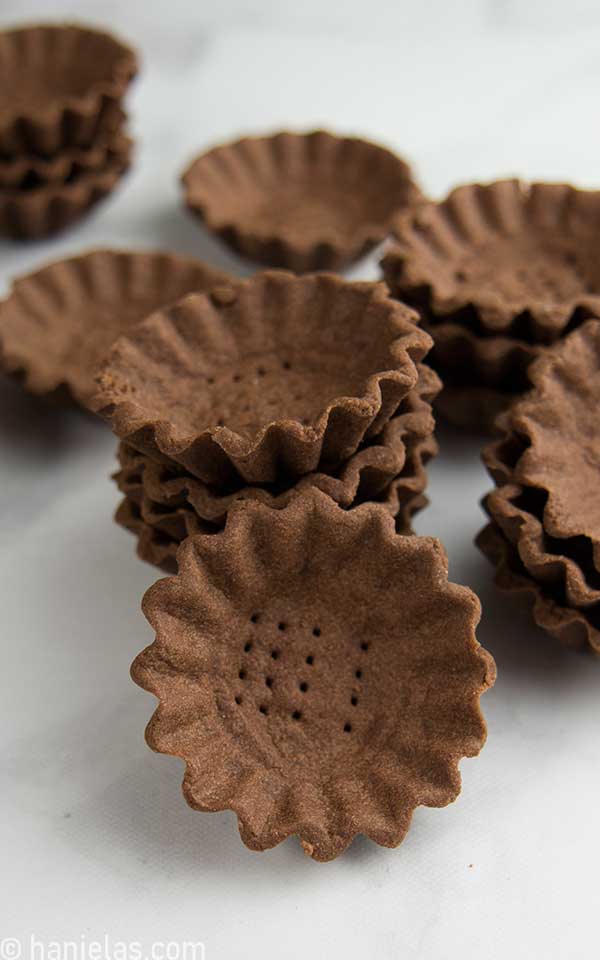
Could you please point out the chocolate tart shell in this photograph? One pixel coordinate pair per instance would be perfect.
(482, 376)
(163, 508)
(28, 171)
(46, 210)
(278, 377)
(67, 77)
(57, 324)
(303, 201)
(518, 258)
(161, 528)
(295, 694)
(578, 629)
(367, 474)
(545, 464)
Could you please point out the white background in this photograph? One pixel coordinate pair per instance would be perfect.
(95, 837)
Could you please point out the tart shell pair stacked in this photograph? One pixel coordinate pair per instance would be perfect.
(499, 272)
(63, 143)
(544, 534)
(260, 390)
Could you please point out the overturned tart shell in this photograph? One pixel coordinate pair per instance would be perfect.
(57, 81)
(310, 201)
(50, 208)
(278, 377)
(57, 324)
(293, 690)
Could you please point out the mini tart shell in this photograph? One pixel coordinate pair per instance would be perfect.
(57, 324)
(73, 117)
(291, 688)
(231, 356)
(258, 195)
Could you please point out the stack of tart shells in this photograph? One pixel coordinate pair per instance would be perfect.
(262, 390)
(499, 272)
(63, 139)
(544, 530)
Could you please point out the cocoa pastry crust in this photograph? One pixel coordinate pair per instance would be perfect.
(57, 81)
(544, 462)
(162, 526)
(175, 505)
(398, 452)
(29, 171)
(499, 272)
(294, 692)
(578, 629)
(519, 258)
(57, 324)
(50, 208)
(159, 550)
(482, 376)
(277, 377)
(565, 565)
(304, 201)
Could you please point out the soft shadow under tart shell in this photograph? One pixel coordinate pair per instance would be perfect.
(303, 201)
(278, 377)
(57, 324)
(293, 690)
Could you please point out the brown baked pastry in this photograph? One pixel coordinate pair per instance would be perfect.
(30, 171)
(365, 475)
(276, 377)
(305, 201)
(578, 629)
(175, 504)
(162, 526)
(57, 324)
(294, 692)
(513, 265)
(482, 375)
(547, 507)
(47, 209)
(57, 81)
(153, 547)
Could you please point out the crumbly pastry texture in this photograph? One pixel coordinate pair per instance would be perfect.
(58, 323)
(545, 510)
(278, 376)
(500, 271)
(293, 689)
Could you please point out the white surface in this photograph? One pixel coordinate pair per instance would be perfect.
(95, 836)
